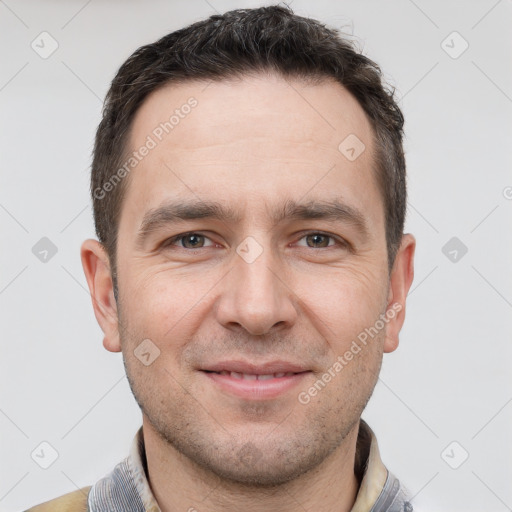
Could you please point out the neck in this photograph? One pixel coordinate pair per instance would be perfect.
(178, 483)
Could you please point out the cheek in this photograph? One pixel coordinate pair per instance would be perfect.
(345, 300)
(165, 305)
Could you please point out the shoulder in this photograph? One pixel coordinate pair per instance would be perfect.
(75, 501)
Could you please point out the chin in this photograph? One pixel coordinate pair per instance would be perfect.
(257, 463)
(264, 474)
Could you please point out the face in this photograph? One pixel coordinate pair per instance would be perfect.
(249, 242)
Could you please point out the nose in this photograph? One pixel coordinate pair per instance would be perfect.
(256, 297)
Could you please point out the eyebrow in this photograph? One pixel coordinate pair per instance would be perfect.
(174, 211)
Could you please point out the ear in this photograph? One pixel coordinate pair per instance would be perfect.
(96, 266)
(400, 281)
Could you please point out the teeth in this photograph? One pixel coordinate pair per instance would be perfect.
(248, 376)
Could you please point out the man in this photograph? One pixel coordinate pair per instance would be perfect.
(248, 185)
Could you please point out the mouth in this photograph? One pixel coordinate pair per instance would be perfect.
(252, 382)
(253, 376)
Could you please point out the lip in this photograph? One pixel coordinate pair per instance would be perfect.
(267, 368)
(255, 389)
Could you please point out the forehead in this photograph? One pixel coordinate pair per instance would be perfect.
(261, 138)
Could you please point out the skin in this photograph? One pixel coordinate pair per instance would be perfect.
(251, 145)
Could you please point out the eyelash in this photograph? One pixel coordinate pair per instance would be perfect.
(340, 242)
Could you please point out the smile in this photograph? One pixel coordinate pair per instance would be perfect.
(250, 376)
(255, 386)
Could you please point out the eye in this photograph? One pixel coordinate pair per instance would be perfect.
(189, 241)
(318, 240)
(313, 240)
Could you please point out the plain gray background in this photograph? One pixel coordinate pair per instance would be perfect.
(449, 381)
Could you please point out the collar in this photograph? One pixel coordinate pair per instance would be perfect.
(368, 464)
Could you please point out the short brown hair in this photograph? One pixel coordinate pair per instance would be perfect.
(235, 44)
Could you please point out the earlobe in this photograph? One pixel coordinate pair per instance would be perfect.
(112, 343)
(401, 279)
(96, 267)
